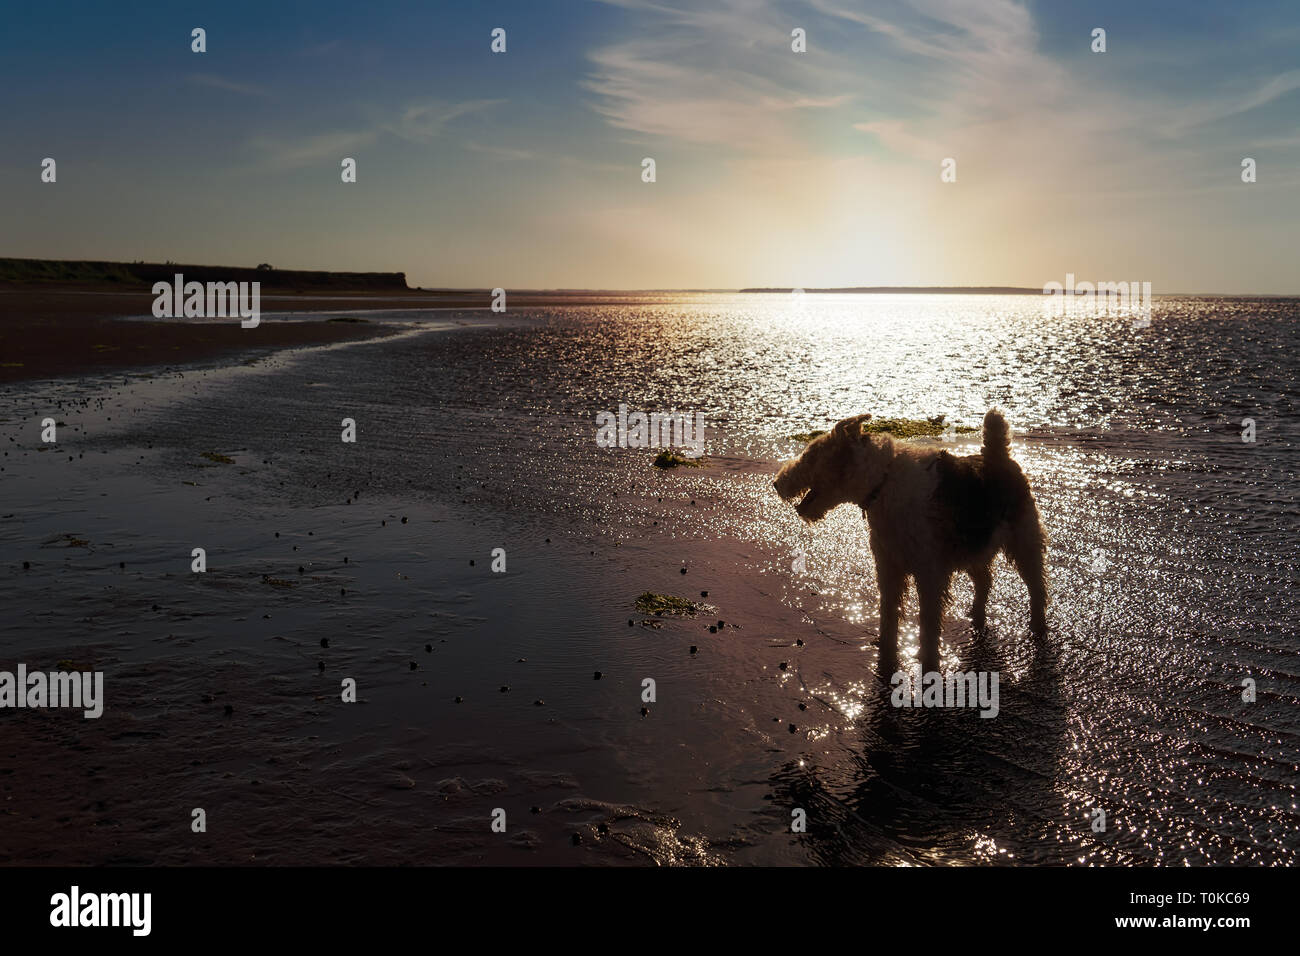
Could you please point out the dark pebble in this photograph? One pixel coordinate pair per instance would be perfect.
(784, 665)
(414, 665)
(803, 706)
(403, 520)
(683, 570)
(603, 827)
(596, 676)
(645, 711)
(539, 703)
(577, 839)
(629, 622)
(793, 728)
(694, 649)
(704, 594)
(460, 700)
(322, 665)
(471, 562)
(799, 642)
(713, 629)
(534, 809)
(27, 567)
(504, 688)
(324, 642)
(428, 648)
(229, 710)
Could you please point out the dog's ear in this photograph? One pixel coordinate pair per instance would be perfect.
(851, 427)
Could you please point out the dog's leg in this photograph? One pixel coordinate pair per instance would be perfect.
(893, 587)
(931, 592)
(982, 577)
(1026, 549)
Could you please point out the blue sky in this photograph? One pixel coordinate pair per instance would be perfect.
(523, 169)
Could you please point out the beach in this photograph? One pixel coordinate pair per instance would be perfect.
(524, 689)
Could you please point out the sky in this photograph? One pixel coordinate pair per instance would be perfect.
(523, 169)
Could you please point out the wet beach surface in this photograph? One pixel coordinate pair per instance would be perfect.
(1172, 560)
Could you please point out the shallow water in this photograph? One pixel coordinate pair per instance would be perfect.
(1172, 562)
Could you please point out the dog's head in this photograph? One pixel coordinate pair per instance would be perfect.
(836, 468)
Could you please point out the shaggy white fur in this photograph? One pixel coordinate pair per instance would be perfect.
(930, 514)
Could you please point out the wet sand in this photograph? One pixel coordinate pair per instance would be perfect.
(482, 437)
(56, 332)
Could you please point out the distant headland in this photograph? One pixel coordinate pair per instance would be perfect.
(74, 272)
(921, 290)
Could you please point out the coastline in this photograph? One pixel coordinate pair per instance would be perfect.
(72, 330)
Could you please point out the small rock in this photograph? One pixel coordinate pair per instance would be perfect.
(504, 688)
(596, 676)
(324, 642)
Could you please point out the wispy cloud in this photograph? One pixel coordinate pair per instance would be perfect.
(500, 152)
(418, 122)
(283, 155)
(215, 82)
(422, 121)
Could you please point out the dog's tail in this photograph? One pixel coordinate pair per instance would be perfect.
(997, 437)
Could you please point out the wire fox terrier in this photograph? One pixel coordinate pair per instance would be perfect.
(930, 514)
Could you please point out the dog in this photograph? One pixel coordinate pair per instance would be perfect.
(929, 514)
